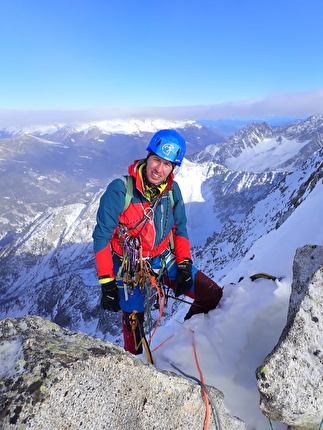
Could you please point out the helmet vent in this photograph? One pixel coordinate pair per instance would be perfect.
(169, 145)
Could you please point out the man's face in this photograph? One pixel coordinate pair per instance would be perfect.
(158, 169)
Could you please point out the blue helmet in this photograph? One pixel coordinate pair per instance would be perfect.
(168, 144)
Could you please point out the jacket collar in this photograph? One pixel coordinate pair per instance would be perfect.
(135, 171)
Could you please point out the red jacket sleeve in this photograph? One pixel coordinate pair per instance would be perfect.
(104, 264)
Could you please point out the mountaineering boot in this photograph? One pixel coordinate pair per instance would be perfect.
(188, 315)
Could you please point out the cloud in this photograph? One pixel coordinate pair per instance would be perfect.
(280, 104)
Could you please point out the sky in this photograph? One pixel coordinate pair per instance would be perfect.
(211, 58)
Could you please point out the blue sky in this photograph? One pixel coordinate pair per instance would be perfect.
(82, 54)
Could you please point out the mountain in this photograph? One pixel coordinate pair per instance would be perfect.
(238, 194)
(51, 193)
(263, 204)
(259, 147)
(229, 126)
(58, 165)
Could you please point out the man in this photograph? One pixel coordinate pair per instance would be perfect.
(151, 229)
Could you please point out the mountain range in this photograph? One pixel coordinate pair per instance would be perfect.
(236, 191)
(54, 166)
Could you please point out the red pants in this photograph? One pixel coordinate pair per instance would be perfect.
(132, 337)
(207, 295)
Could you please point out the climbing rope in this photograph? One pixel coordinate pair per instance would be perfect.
(157, 347)
(321, 425)
(271, 424)
(206, 393)
(160, 294)
(207, 408)
(214, 407)
(145, 272)
(185, 301)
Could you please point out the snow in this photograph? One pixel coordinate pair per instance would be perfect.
(11, 354)
(192, 195)
(122, 126)
(268, 154)
(234, 339)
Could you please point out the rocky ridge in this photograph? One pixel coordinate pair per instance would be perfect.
(290, 378)
(52, 379)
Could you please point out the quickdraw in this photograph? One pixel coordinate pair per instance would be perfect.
(131, 263)
(161, 296)
(148, 275)
(134, 322)
(136, 272)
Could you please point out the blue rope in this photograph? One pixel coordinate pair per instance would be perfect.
(214, 408)
(271, 424)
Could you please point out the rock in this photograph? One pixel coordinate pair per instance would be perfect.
(52, 378)
(290, 378)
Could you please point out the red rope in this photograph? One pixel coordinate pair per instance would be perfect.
(155, 349)
(206, 400)
(205, 395)
(161, 299)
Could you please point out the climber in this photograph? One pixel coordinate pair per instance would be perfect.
(151, 228)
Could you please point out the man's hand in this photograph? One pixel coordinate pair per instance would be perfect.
(184, 279)
(110, 296)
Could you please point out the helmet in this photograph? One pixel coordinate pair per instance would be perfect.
(168, 144)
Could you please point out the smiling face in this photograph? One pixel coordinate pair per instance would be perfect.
(157, 169)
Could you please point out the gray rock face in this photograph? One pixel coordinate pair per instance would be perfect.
(51, 378)
(290, 378)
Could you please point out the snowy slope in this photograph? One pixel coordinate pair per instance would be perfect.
(260, 147)
(270, 153)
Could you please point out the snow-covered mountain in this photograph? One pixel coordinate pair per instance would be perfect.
(57, 165)
(238, 193)
(54, 192)
(260, 147)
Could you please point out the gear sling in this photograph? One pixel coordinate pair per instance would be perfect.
(137, 273)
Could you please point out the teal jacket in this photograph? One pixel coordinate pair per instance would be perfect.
(166, 220)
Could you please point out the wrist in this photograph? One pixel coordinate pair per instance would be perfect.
(186, 260)
(105, 279)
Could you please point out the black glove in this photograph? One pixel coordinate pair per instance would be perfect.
(110, 296)
(184, 279)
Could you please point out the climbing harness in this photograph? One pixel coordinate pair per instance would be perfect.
(147, 278)
(134, 270)
(131, 262)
